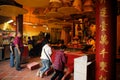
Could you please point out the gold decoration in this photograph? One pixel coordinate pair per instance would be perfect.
(103, 66)
(103, 12)
(102, 78)
(103, 52)
(104, 40)
(103, 26)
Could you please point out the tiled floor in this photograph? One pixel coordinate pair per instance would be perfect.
(8, 73)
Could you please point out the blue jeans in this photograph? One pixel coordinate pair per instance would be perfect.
(17, 58)
(11, 59)
(45, 65)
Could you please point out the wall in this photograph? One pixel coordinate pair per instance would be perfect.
(32, 31)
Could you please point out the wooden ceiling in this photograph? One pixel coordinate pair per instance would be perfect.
(40, 10)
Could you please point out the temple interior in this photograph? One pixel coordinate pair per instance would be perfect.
(87, 29)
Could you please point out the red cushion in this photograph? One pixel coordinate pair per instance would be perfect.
(33, 65)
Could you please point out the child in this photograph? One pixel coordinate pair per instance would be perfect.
(11, 52)
(59, 64)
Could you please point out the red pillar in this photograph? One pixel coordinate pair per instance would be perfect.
(19, 23)
(105, 39)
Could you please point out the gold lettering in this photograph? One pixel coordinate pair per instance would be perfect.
(102, 78)
(103, 26)
(103, 12)
(104, 40)
(103, 66)
(103, 52)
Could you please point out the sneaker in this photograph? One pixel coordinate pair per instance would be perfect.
(41, 75)
(38, 73)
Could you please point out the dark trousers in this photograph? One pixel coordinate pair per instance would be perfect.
(58, 74)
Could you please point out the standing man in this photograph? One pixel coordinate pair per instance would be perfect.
(18, 49)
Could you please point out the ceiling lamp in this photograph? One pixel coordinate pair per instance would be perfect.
(9, 10)
(78, 5)
(88, 6)
(34, 3)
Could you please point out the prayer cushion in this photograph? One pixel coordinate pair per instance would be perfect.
(33, 65)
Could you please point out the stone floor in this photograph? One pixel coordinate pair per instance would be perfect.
(8, 73)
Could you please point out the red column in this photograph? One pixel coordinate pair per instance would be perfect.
(105, 39)
(19, 23)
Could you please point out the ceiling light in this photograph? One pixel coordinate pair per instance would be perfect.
(10, 21)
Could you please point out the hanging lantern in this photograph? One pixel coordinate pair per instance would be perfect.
(78, 5)
(54, 5)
